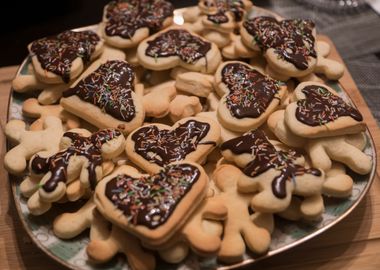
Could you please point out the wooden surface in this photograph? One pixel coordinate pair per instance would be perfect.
(354, 243)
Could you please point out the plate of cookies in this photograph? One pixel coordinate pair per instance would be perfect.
(207, 137)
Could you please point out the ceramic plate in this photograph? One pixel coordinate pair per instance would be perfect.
(72, 254)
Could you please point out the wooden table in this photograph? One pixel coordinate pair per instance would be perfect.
(354, 243)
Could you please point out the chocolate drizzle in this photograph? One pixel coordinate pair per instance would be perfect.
(57, 53)
(265, 156)
(88, 147)
(250, 92)
(236, 7)
(292, 40)
(321, 107)
(165, 146)
(109, 88)
(178, 42)
(125, 17)
(150, 201)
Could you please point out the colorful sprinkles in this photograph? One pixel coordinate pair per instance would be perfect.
(321, 107)
(236, 7)
(57, 53)
(150, 200)
(125, 17)
(165, 146)
(292, 40)
(181, 43)
(250, 92)
(266, 156)
(109, 88)
(88, 147)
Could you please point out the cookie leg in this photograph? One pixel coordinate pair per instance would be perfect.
(69, 225)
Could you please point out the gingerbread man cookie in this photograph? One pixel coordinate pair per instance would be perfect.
(240, 230)
(272, 174)
(32, 108)
(45, 142)
(81, 158)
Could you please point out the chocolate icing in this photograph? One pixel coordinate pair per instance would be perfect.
(109, 88)
(162, 146)
(265, 156)
(236, 7)
(292, 40)
(88, 147)
(57, 53)
(321, 107)
(150, 201)
(125, 17)
(178, 42)
(250, 92)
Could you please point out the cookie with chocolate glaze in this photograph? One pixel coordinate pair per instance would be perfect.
(62, 58)
(81, 157)
(153, 146)
(127, 22)
(248, 96)
(152, 207)
(105, 96)
(288, 45)
(271, 172)
(319, 112)
(178, 47)
(223, 15)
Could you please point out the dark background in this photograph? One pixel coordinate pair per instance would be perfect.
(24, 21)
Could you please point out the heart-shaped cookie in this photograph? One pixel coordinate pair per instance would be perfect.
(81, 157)
(126, 23)
(249, 97)
(106, 97)
(60, 58)
(288, 45)
(320, 112)
(178, 47)
(153, 146)
(152, 207)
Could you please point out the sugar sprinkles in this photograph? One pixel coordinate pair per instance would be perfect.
(150, 200)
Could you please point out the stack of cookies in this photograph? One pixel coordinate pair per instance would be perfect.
(173, 141)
